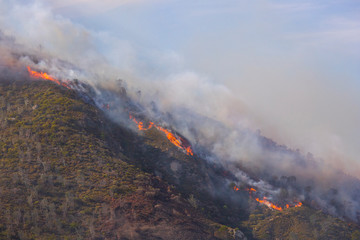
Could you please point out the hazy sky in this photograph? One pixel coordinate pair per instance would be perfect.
(294, 65)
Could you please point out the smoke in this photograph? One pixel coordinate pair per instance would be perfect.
(218, 124)
(295, 71)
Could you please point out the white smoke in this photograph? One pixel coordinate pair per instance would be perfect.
(207, 113)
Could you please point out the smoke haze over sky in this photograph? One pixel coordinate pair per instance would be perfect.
(288, 68)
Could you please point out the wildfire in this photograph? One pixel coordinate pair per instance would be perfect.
(174, 139)
(265, 201)
(250, 190)
(268, 203)
(43, 75)
(141, 124)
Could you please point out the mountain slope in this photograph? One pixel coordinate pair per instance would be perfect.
(69, 172)
(60, 178)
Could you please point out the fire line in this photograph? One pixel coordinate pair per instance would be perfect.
(45, 76)
(176, 140)
(265, 201)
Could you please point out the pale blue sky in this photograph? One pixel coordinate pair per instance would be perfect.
(328, 32)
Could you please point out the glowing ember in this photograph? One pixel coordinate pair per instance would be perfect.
(176, 140)
(45, 76)
(250, 190)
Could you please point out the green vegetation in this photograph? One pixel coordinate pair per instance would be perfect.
(297, 223)
(55, 174)
(68, 172)
(59, 177)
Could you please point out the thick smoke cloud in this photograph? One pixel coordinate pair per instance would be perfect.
(216, 122)
(293, 64)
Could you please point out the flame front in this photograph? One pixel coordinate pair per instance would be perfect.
(171, 137)
(268, 203)
(176, 140)
(45, 76)
(264, 200)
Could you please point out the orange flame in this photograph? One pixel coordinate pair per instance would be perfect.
(268, 204)
(265, 201)
(141, 124)
(176, 140)
(170, 136)
(252, 190)
(45, 76)
(189, 151)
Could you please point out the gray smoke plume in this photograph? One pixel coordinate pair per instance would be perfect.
(206, 113)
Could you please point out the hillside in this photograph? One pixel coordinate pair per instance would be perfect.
(60, 179)
(69, 172)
